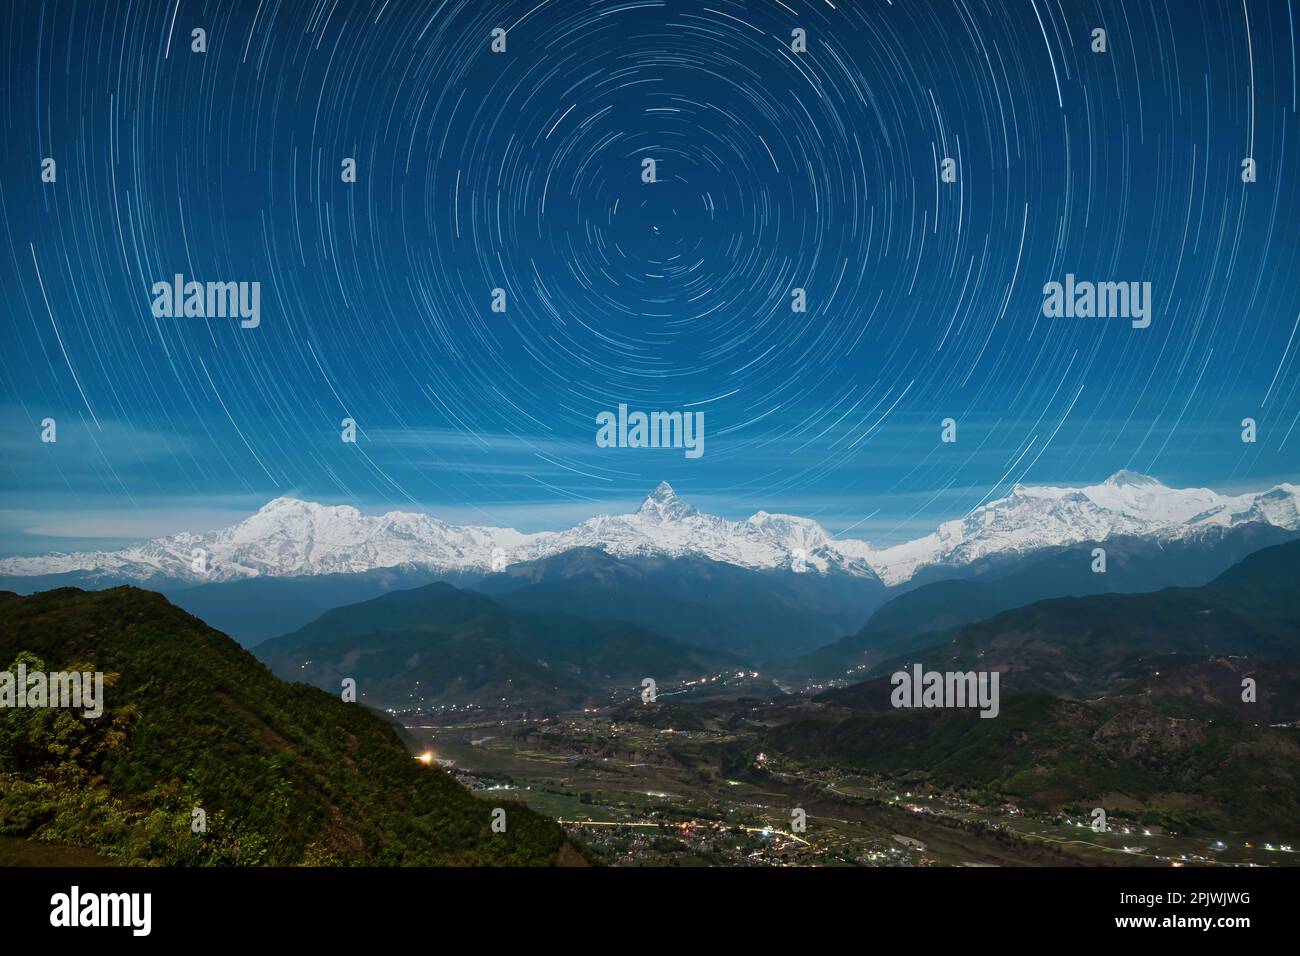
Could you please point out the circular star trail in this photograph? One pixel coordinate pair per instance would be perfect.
(775, 169)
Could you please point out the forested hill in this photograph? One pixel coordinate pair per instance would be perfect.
(285, 773)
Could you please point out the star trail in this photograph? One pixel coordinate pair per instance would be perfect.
(497, 271)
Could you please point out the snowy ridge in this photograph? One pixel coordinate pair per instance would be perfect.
(1126, 503)
(288, 537)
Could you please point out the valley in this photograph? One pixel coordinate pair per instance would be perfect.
(641, 795)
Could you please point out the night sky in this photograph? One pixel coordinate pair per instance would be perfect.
(522, 171)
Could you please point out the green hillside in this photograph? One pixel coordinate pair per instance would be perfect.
(286, 774)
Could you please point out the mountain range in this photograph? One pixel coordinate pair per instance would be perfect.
(1081, 646)
(930, 609)
(438, 645)
(1131, 701)
(759, 614)
(292, 538)
(1135, 702)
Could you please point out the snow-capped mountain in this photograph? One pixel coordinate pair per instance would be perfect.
(667, 525)
(288, 537)
(1037, 517)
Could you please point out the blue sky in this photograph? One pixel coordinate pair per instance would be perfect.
(522, 171)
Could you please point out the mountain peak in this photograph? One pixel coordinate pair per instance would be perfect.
(282, 507)
(1131, 479)
(663, 491)
(662, 504)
